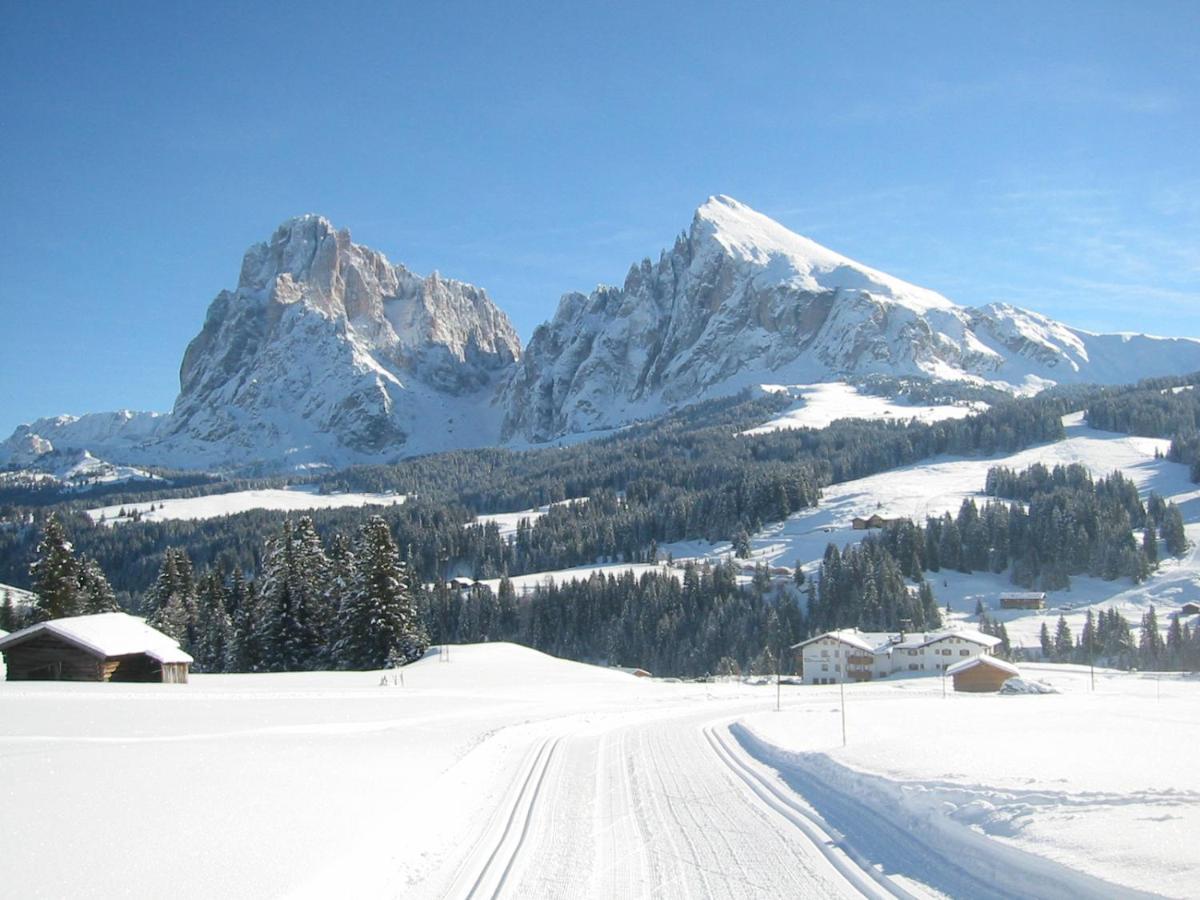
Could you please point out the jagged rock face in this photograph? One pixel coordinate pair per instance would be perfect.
(741, 300)
(326, 344)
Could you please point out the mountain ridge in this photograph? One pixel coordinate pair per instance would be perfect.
(327, 354)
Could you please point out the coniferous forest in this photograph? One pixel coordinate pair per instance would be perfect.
(261, 592)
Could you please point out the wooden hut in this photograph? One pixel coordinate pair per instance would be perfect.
(1023, 600)
(1190, 609)
(981, 674)
(105, 647)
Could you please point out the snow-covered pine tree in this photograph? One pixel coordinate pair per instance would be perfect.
(213, 627)
(170, 604)
(1047, 644)
(378, 621)
(55, 574)
(8, 613)
(95, 593)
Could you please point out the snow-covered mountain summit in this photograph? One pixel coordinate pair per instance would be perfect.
(742, 300)
(326, 349)
(326, 353)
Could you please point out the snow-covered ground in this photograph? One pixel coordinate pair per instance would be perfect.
(1100, 781)
(526, 584)
(940, 485)
(293, 499)
(508, 522)
(504, 772)
(820, 404)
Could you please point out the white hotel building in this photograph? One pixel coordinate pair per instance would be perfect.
(853, 655)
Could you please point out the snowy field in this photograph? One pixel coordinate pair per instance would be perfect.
(295, 499)
(820, 404)
(504, 772)
(508, 522)
(1102, 782)
(940, 485)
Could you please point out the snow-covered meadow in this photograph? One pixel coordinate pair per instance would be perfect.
(501, 771)
(818, 405)
(292, 499)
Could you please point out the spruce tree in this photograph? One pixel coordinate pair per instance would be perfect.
(378, 622)
(95, 593)
(55, 574)
(1064, 645)
(8, 613)
(1047, 644)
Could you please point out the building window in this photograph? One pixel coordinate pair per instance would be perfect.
(964, 652)
(824, 667)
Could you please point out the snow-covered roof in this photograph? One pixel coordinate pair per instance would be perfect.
(967, 634)
(851, 636)
(882, 641)
(982, 661)
(106, 634)
(1023, 595)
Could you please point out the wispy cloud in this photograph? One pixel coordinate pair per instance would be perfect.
(1054, 85)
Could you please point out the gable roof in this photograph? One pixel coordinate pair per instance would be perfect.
(105, 635)
(967, 634)
(849, 636)
(983, 661)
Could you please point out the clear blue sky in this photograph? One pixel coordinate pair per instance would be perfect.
(1040, 153)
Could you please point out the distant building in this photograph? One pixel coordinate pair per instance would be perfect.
(982, 674)
(1023, 600)
(105, 647)
(853, 655)
(1190, 609)
(873, 521)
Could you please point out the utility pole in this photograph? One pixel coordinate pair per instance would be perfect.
(778, 683)
(842, 690)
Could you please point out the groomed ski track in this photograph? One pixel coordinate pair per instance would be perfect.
(688, 804)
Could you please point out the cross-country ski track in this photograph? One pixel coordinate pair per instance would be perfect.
(688, 803)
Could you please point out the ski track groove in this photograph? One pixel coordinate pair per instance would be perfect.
(519, 816)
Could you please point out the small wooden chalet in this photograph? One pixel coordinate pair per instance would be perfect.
(1023, 600)
(105, 647)
(981, 674)
(1190, 609)
(873, 521)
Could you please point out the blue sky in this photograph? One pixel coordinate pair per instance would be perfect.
(1044, 154)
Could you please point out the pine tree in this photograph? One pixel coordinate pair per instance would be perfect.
(95, 593)
(1150, 647)
(378, 624)
(1172, 531)
(1063, 642)
(1047, 644)
(213, 626)
(170, 604)
(55, 574)
(8, 613)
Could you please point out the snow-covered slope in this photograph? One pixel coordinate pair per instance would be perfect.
(741, 300)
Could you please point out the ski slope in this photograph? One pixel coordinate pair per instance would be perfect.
(501, 772)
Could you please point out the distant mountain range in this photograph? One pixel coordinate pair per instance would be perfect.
(326, 354)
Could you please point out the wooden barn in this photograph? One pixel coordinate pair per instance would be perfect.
(981, 674)
(105, 647)
(1190, 609)
(1023, 600)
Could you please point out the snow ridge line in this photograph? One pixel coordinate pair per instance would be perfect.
(506, 847)
(989, 868)
(858, 871)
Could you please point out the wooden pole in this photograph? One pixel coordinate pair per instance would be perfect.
(842, 687)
